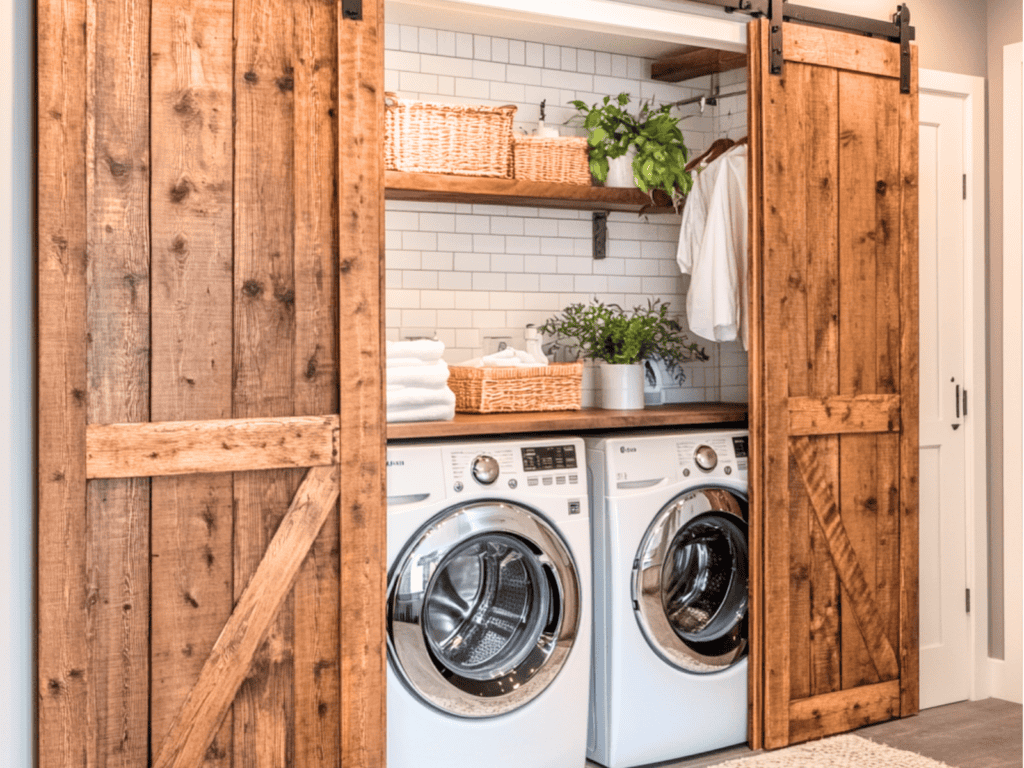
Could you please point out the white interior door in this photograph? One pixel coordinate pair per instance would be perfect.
(945, 630)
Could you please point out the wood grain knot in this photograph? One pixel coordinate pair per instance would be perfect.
(252, 288)
(881, 187)
(286, 84)
(180, 191)
(251, 77)
(118, 169)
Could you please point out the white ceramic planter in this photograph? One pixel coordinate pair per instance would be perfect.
(622, 387)
(620, 170)
(589, 392)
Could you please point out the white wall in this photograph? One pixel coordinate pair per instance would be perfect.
(16, 383)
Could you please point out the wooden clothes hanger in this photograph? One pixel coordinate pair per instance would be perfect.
(718, 148)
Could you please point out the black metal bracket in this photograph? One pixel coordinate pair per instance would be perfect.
(352, 9)
(778, 11)
(600, 231)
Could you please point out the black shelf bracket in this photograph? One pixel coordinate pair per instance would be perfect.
(600, 248)
(898, 30)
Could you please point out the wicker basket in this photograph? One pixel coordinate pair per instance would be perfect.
(554, 387)
(422, 137)
(562, 160)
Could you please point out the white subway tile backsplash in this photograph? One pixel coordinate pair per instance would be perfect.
(458, 269)
(488, 281)
(445, 43)
(439, 261)
(410, 39)
(489, 70)
(516, 52)
(446, 65)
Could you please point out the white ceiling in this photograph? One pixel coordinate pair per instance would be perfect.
(648, 28)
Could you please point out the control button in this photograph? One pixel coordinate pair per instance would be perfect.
(706, 458)
(532, 481)
(574, 507)
(728, 470)
(686, 473)
(485, 469)
(458, 486)
(573, 479)
(513, 483)
(547, 481)
(560, 480)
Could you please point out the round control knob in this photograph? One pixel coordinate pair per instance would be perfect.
(706, 458)
(485, 469)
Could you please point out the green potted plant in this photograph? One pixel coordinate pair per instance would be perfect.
(621, 341)
(650, 140)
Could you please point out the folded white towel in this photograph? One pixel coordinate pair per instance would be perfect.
(421, 349)
(407, 397)
(428, 375)
(407, 362)
(422, 413)
(506, 358)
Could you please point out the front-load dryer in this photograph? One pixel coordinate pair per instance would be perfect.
(488, 604)
(669, 513)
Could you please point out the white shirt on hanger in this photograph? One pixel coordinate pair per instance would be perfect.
(713, 249)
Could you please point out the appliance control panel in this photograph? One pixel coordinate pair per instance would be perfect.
(554, 468)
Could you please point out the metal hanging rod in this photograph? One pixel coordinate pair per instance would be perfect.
(778, 11)
(709, 99)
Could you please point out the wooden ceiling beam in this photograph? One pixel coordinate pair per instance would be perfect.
(687, 65)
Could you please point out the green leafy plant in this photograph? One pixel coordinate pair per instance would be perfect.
(661, 157)
(607, 332)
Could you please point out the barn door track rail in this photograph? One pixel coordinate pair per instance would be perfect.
(777, 11)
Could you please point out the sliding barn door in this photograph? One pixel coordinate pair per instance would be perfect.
(210, 520)
(835, 381)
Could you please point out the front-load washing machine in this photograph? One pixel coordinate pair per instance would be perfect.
(669, 513)
(488, 604)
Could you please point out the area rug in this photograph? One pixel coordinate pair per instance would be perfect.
(836, 752)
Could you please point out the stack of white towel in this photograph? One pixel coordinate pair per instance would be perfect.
(510, 357)
(417, 379)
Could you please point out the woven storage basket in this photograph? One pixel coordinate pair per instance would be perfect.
(554, 387)
(562, 159)
(422, 137)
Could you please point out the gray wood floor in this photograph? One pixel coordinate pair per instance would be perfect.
(970, 734)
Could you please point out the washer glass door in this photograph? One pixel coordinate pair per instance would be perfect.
(483, 608)
(690, 581)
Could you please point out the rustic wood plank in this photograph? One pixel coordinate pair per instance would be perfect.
(840, 50)
(192, 149)
(785, 249)
(909, 457)
(757, 36)
(264, 343)
(317, 604)
(821, 201)
(117, 191)
(844, 414)
(860, 594)
(576, 421)
(237, 648)
(843, 710)
(441, 188)
(62, 660)
(215, 445)
(361, 385)
(798, 344)
(678, 67)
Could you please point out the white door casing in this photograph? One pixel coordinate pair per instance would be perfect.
(953, 506)
(1005, 674)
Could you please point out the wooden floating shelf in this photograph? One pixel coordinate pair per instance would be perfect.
(442, 188)
(586, 420)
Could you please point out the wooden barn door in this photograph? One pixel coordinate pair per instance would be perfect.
(211, 448)
(834, 387)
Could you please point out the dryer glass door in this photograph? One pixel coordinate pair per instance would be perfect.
(483, 609)
(690, 581)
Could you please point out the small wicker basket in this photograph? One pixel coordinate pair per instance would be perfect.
(561, 160)
(553, 387)
(423, 137)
